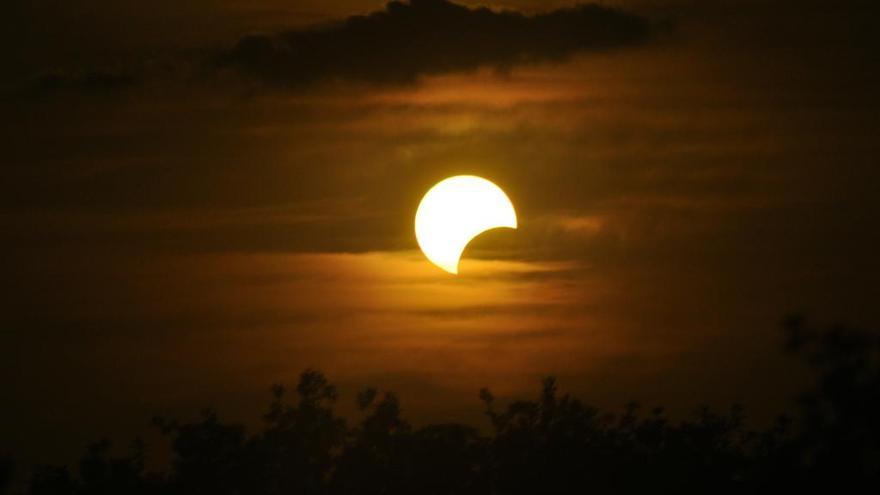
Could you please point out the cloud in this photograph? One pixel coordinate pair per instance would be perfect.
(90, 81)
(422, 37)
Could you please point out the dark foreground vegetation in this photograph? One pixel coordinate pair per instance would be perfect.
(551, 445)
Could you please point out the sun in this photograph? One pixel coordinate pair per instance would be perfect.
(455, 211)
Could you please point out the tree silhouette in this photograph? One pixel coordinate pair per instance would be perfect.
(7, 468)
(840, 440)
(554, 444)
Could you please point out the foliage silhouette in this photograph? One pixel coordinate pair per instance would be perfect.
(554, 444)
(7, 468)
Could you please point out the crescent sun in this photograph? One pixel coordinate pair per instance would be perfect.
(454, 212)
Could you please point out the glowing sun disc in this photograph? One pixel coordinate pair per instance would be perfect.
(455, 211)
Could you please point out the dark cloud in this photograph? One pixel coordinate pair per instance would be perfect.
(411, 39)
(90, 81)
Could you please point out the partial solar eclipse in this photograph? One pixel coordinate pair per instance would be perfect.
(455, 211)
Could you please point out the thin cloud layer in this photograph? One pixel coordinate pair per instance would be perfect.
(423, 37)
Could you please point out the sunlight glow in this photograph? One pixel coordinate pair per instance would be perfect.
(455, 211)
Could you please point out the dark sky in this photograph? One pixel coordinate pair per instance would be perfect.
(200, 199)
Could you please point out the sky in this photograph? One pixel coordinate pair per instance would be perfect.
(203, 198)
